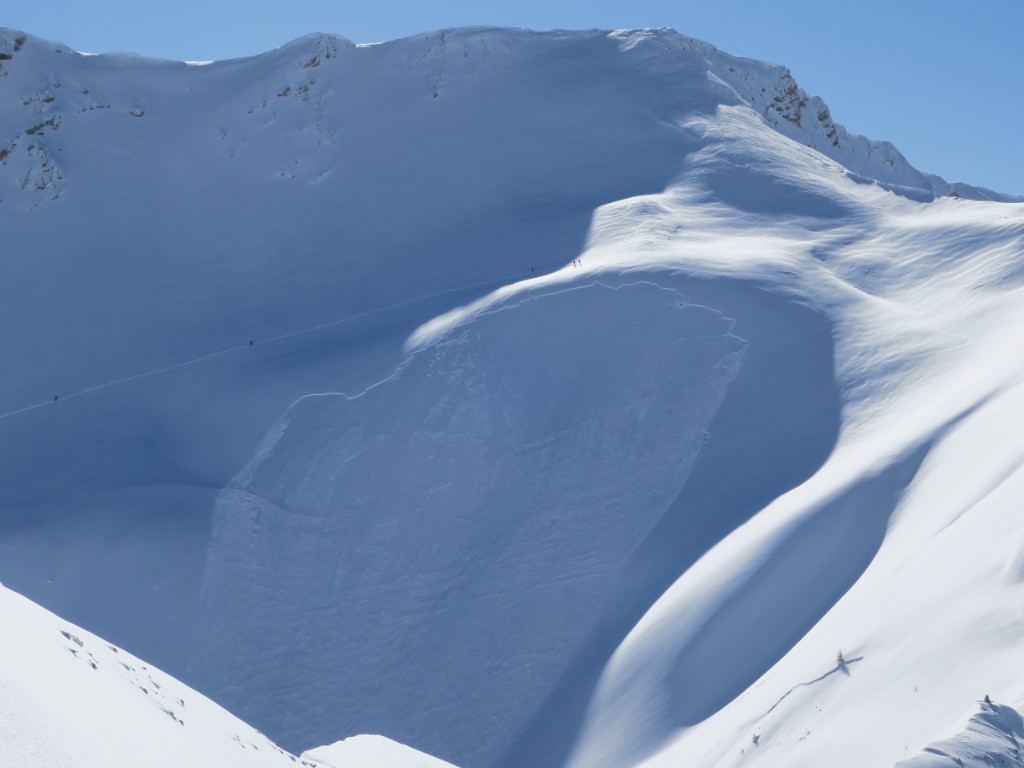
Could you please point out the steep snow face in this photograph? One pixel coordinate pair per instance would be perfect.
(540, 397)
(321, 201)
(491, 489)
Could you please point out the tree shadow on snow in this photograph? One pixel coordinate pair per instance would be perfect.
(842, 667)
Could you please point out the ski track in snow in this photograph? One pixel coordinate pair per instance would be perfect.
(262, 342)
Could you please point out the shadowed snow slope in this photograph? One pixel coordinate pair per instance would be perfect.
(492, 489)
(562, 398)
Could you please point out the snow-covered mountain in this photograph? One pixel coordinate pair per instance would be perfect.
(71, 700)
(545, 399)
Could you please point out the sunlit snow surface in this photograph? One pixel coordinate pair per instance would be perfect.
(68, 699)
(529, 398)
(371, 751)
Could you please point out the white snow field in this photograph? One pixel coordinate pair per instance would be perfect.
(532, 399)
(70, 700)
(370, 751)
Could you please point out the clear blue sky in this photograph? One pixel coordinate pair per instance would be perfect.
(943, 80)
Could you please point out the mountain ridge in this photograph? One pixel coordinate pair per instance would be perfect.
(407, 352)
(768, 89)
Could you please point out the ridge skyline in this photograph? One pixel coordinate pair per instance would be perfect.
(888, 72)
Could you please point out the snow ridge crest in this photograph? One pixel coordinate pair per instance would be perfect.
(448, 61)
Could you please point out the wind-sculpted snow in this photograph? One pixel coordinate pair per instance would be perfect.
(445, 540)
(892, 551)
(728, 642)
(994, 736)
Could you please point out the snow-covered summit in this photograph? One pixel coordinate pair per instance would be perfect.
(452, 62)
(530, 398)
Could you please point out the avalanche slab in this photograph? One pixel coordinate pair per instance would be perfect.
(423, 559)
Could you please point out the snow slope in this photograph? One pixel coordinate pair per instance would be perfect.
(371, 751)
(530, 398)
(992, 737)
(67, 698)
(462, 497)
(896, 551)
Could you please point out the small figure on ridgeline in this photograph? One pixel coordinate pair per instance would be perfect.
(55, 398)
(250, 342)
(988, 700)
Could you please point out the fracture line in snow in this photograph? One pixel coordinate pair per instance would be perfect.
(263, 342)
